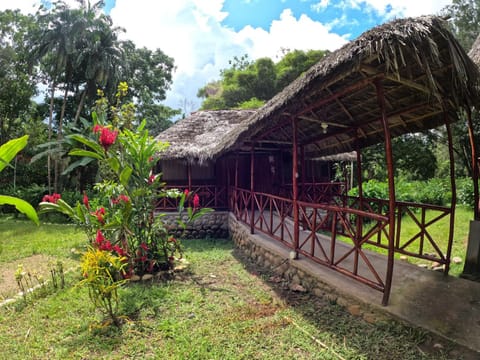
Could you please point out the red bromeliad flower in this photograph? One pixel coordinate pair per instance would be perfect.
(124, 198)
(151, 179)
(106, 246)
(52, 198)
(100, 238)
(186, 192)
(107, 137)
(97, 128)
(100, 214)
(196, 201)
(119, 251)
(85, 201)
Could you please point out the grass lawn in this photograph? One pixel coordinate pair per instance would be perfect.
(222, 307)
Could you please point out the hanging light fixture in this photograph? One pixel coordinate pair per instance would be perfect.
(324, 127)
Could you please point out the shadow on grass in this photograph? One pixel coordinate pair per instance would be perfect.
(380, 338)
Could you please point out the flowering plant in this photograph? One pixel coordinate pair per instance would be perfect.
(123, 210)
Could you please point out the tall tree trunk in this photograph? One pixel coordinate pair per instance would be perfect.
(58, 167)
(50, 124)
(80, 106)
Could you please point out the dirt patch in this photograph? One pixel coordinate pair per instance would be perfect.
(35, 264)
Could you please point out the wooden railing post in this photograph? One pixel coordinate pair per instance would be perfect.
(473, 148)
(296, 229)
(252, 189)
(454, 192)
(391, 191)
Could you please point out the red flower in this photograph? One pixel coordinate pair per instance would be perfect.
(150, 159)
(151, 179)
(107, 137)
(186, 192)
(196, 201)
(100, 238)
(172, 239)
(100, 214)
(52, 198)
(85, 201)
(144, 246)
(123, 198)
(106, 246)
(119, 250)
(97, 128)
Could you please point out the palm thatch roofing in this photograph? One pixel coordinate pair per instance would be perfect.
(194, 137)
(416, 65)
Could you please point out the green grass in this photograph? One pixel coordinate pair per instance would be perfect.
(223, 307)
(21, 238)
(439, 232)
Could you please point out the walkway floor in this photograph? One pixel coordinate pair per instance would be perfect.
(445, 305)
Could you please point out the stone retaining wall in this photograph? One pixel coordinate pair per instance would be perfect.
(276, 257)
(211, 225)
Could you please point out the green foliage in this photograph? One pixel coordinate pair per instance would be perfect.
(413, 158)
(465, 20)
(465, 192)
(433, 191)
(248, 84)
(103, 274)
(253, 103)
(7, 152)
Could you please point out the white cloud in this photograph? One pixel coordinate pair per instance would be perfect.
(321, 5)
(403, 8)
(25, 6)
(191, 32)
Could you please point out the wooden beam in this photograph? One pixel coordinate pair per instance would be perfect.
(319, 121)
(349, 89)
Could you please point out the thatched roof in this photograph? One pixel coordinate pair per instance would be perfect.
(474, 52)
(423, 70)
(194, 137)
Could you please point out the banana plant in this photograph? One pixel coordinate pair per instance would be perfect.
(8, 151)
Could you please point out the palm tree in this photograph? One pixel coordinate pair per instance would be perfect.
(78, 48)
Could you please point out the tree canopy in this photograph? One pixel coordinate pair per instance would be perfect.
(249, 84)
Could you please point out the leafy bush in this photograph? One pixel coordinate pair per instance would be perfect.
(465, 192)
(433, 191)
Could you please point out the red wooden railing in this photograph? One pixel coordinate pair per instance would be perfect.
(347, 255)
(211, 196)
(357, 223)
(421, 244)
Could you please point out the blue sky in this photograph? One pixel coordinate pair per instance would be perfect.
(202, 35)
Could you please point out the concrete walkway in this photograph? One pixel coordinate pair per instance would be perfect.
(444, 305)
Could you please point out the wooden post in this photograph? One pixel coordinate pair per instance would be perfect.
(359, 228)
(189, 175)
(252, 189)
(454, 192)
(235, 207)
(391, 192)
(473, 147)
(303, 171)
(360, 178)
(236, 172)
(471, 268)
(296, 229)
